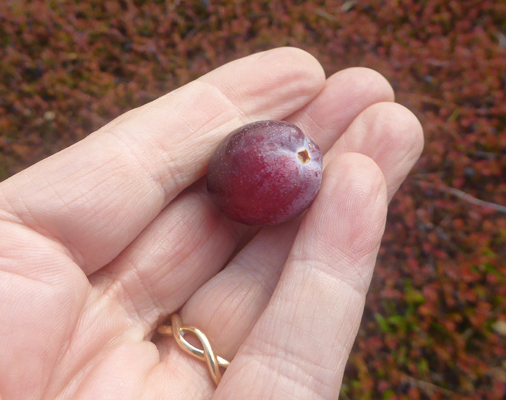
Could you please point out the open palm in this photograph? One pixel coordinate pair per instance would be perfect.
(101, 242)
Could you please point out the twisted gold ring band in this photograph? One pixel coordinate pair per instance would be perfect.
(178, 330)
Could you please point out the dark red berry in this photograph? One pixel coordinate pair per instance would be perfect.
(264, 173)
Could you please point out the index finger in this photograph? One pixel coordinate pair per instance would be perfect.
(96, 196)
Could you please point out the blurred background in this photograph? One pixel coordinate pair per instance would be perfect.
(435, 320)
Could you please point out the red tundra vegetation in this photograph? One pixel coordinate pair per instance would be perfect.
(434, 324)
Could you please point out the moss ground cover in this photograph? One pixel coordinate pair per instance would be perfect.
(434, 324)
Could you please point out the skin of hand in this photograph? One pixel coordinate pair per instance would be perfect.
(102, 241)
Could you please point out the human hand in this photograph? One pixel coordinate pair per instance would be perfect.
(101, 242)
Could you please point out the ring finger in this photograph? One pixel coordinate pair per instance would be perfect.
(227, 307)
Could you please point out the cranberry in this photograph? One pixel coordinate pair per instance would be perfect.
(264, 173)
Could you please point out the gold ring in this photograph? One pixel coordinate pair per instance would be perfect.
(178, 330)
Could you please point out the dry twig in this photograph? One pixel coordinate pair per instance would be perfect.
(473, 200)
(429, 388)
(467, 197)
